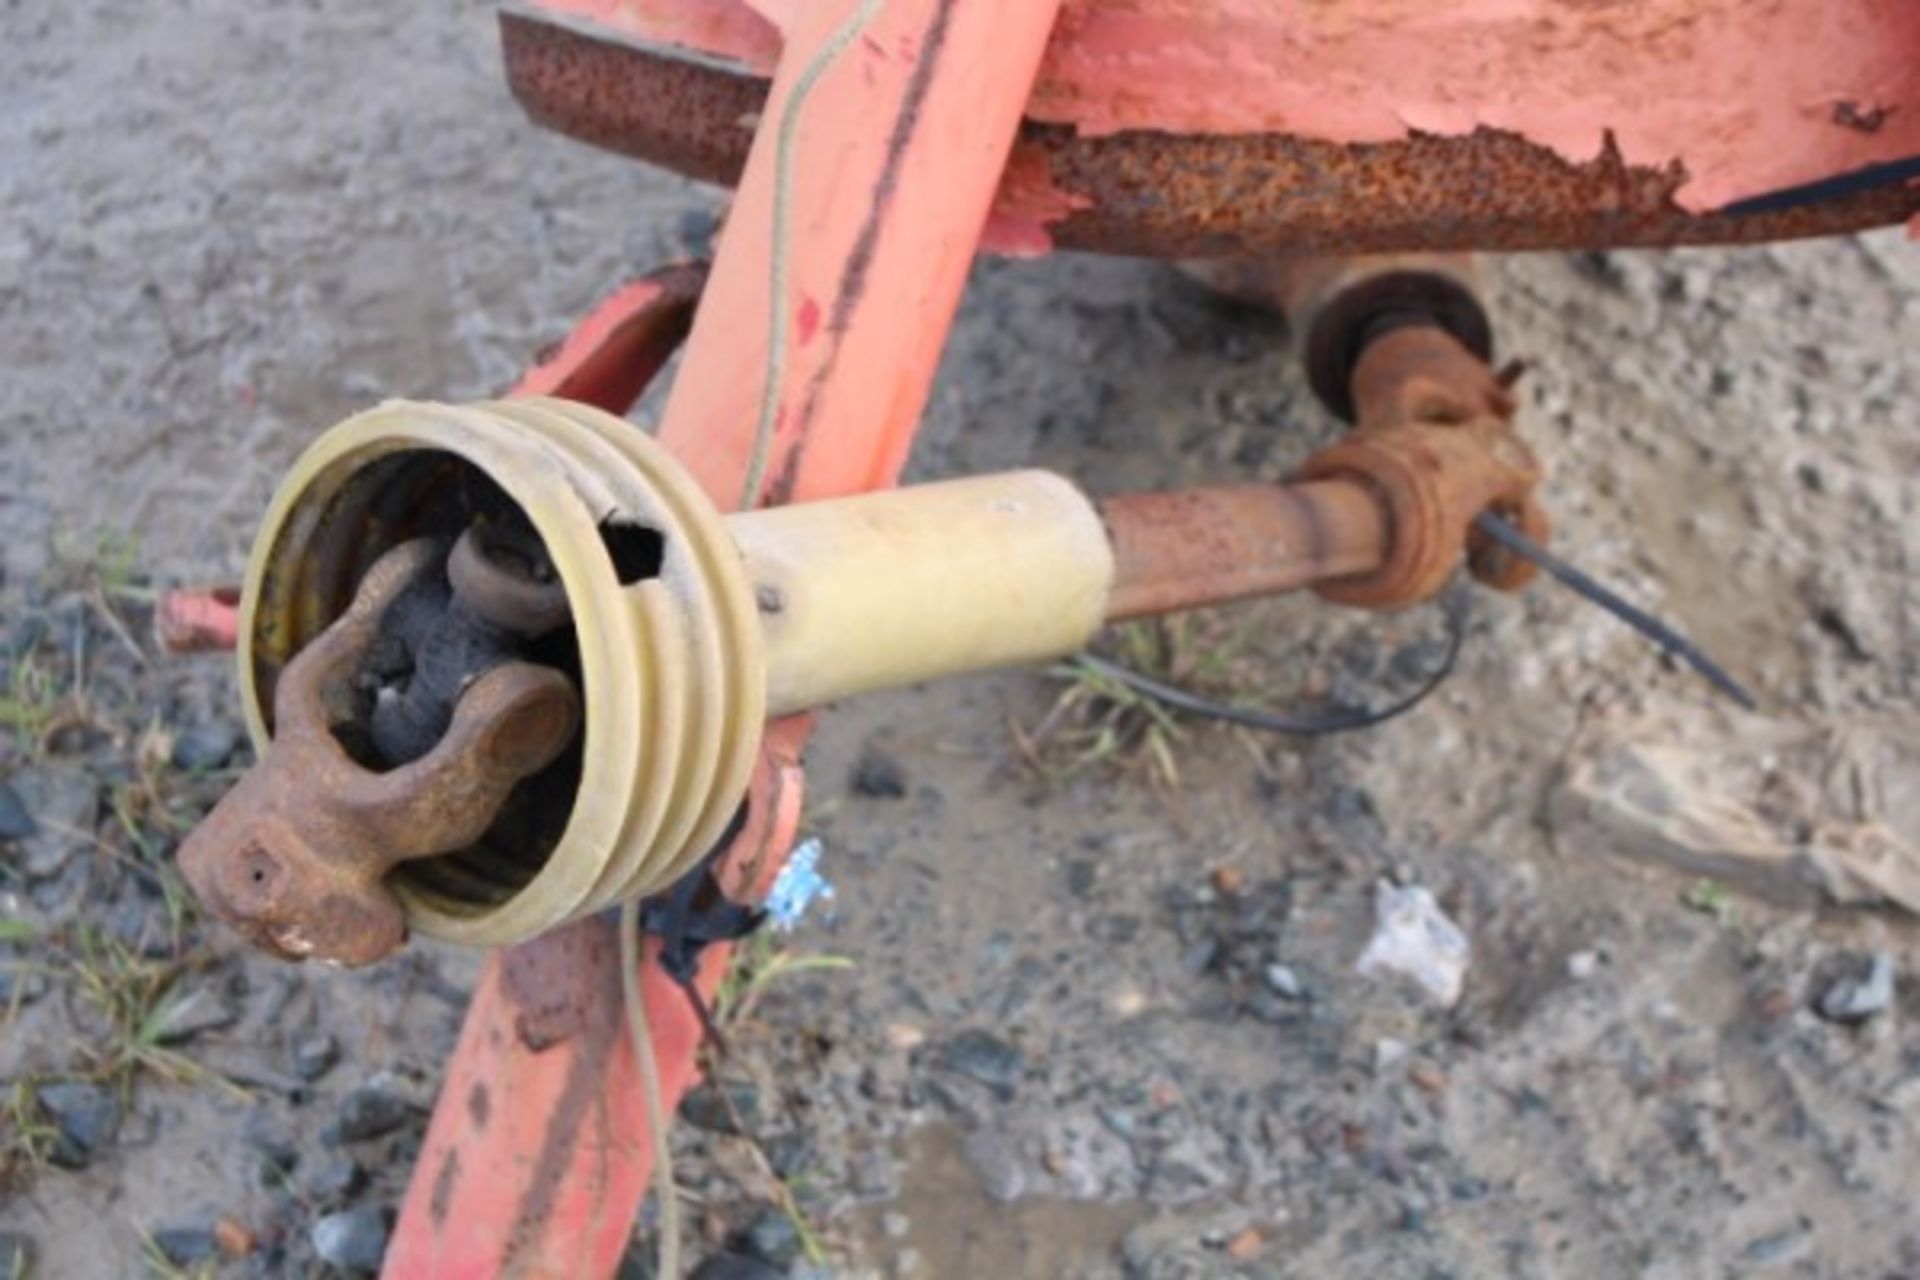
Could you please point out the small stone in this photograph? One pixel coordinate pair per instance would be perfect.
(1414, 938)
(64, 802)
(789, 1154)
(340, 1178)
(733, 1266)
(772, 1238)
(206, 747)
(896, 1225)
(16, 1254)
(199, 1010)
(1851, 1001)
(1582, 965)
(1245, 1246)
(1082, 875)
(1775, 1250)
(315, 1055)
(1284, 981)
(1427, 1078)
(370, 1113)
(1387, 1054)
(707, 1108)
(1469, 1190)
(278, 1153)
(88, 1118)
(352, 1239)
(15, 822)
(879, 776)
(1201, 956)
(233, 1238)
(1230, 882)
(185, 1246)
(981, 1056)
(23, 987)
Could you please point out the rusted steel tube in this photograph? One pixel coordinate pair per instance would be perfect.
(1208, 546)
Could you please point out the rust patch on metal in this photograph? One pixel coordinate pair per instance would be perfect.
(444, 1184)
(295, 856)
(1849, 114)
(690, 115)
(556, 983)
(1207, 546)
(1435, 441)
(479, 1104)
(1199, 195)
(599, 1024)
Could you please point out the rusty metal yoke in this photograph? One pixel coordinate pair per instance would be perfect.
(295, 854)
(1435, 439)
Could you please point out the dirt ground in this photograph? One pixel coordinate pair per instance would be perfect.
(1097, 1022)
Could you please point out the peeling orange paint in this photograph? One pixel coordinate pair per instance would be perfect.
(1748, 96)
(1029, 201)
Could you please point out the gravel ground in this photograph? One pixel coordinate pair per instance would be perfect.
(1097, 1022)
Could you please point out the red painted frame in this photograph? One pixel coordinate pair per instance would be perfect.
(538, 1155)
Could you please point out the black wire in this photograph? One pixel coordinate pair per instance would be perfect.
(1639, 619)
(1300, 723)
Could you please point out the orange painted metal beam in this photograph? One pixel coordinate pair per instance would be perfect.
(905, 145)
(538, 1155)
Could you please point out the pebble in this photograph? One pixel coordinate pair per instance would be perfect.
(23, 987)
(733, 1266)
(278, 1154)
(984, 1057)
(1284, 981)
(370, 1113)
(1082, 876)
(1851, 1001)
(352, 1239)
(185, 1246)
(706, 1108)
(315, 1055)
(16, 823)
(1771, 1251)
(202, 1009)
(64, 802)
(1246, 1246)
(879, 776)
(16, 1254)
(789, 1154)
(206, 747)
(771, 1238)
(338, 1179)
(88, 1117)
(1582, 965)
(1414, 938)
(233, 1238)
(1387, 1054)
(1200, 957)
